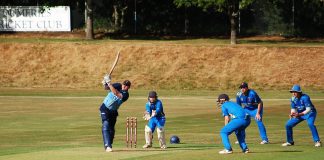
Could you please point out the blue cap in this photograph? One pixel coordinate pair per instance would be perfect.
(244, 85)
(295, 88)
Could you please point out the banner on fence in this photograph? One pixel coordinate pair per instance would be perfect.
(35, 18)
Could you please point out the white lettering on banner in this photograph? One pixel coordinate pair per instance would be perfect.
(32, 18)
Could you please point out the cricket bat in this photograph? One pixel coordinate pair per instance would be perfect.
(114, 64)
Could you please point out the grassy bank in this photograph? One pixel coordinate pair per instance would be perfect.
(208, 64)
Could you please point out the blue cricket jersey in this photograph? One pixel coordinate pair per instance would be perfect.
(112, 102)
(233, 110)
(301, 103)
(249, 101)
(157, 106)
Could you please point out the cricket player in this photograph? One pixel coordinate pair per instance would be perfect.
(117, 94)
(156, 119)
(253, 105)
(236, 120)
(302, 109)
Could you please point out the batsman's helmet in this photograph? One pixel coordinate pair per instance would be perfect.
(152, 94)
(127, 83)
(174, 139)
(222, 97)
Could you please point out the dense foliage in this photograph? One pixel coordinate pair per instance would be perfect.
(197, 17)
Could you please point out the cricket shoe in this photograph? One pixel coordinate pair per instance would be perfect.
(147, 146)
(236, 142)
(287, 144)
(163, 147)
(264, 142)
(108, 149)
(318, 144)
(225, 151)
(246, 151)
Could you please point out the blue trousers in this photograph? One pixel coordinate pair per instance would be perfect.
(238, 126)
(156, 122)
(262, 129)
(310, 118)
(108, 120)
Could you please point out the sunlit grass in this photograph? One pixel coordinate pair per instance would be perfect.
(66, 125)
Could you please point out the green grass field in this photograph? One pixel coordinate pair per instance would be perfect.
(48, 124)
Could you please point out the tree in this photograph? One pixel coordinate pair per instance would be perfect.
(306, 18)
(231, 7)
(119, 8)
(89, 19)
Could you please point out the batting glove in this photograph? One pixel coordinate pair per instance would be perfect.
(107, 79)
(103, 82)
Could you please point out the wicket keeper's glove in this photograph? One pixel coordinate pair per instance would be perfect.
(146, 116)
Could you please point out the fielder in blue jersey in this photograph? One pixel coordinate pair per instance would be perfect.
(302, 109)
(236, 120)
(117, 94)
(253, 105)
(155, 116)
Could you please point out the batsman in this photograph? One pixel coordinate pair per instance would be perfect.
(156, 119)
(117, 95)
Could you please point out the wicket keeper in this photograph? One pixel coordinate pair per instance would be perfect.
(302, 109)
(156, 119)
(117, 94)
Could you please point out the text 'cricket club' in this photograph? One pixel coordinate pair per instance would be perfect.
(34, 18)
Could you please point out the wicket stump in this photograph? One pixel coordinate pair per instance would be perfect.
(131, 132)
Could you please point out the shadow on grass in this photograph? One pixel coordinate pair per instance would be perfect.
(292, 41)
(281, 151)
(170, 148)
(241, 40)
(120, 36)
